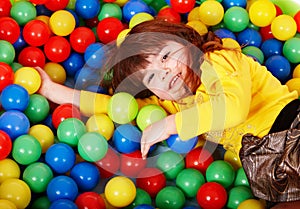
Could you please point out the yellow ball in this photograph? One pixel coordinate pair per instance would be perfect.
(29, 78)
(231, 44)
(251, 204)
(120, 191)
(198, 26)
(233, 159)
(194, 14)
(211, 12)
(296, 72)
(56, 72)
(139, 18)
(8, 169)
(121, 36)
(102, 124)
(62, 23)
(284, 27)
(262, 13)
(16, 191)
(43, 18)
(7, 204)
(43, 134)
(121, 2)
(294, 85)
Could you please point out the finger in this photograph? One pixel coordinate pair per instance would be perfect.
(145, 151)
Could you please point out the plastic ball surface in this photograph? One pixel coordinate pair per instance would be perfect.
(87, 9)
(63, 203)
(81, 38)
(14, 97)
(170, 197)
(9, 169)
(37, 109)
(7, 204)
(5, 145)
(211, 13)
(199, 159)
(6, 75)
(181, 146)
(32, 56)
(90, 200)
(141, 200)
(279, 66)
(63, 112)
(9, 29)
(29, 78)
(132, 163)
(262, 13)
(57, 49)
(102, 124)
(36, 33)
(236, 19)
(62, 23)
(237, 195)
(108, 29)
(291, 50)
(7, 52)
(283, 27)
(126, 138)
(251, 204)
(221, 172)
(43, 134)
(23, 12)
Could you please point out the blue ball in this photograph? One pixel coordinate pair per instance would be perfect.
(279, 66)
(94, 55)
(134, 7)
(20, 43)
(73, 63)
(63, 203)
(127, 138)
(62, 187)
(15, 123)
(225, 33)
(144, 206)
(87, 9)
(178, 145)
(231, 3)
(86, 175)
(249, 37)
(77, 20)
(60, 157)
(14, 97)
(86, 77)
(271, 47)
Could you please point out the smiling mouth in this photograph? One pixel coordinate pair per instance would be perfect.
(173, 80)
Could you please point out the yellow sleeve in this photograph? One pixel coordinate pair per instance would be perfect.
(227, 83)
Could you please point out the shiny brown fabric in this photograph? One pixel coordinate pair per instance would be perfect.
(272, 164)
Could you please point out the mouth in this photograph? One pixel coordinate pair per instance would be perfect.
(174, 80)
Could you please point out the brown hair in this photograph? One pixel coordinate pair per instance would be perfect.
(149, 38)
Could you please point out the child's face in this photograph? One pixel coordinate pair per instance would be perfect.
(166, 73)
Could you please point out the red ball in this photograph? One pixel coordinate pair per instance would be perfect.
(39, 1)
(132, 163)
(91, 23)
(109, 165)
(108, 29)
(182, 6)
(266, 32)
(5, 145)
(152, 180)
(36, 33)
(32, 56)
(9, 29)
(90, 200)
(199, 158)
(169, 14)
(5, 6)
(6, 75)
(278, 10)
(297, 19)
(63, 112)
(211, 195)
(57, 49)
(81, 38)
(54, 5)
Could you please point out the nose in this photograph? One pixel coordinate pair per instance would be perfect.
(165, 72)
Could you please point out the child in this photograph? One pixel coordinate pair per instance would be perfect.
(206, 88)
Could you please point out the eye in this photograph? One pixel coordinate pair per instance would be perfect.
(150, 77)
(165, 56)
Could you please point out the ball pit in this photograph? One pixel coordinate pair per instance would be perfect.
(53, 157)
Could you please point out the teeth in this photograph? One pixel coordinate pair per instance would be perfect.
(174, 79)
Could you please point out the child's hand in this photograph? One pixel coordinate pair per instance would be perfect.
(157, 132)
(46, 81)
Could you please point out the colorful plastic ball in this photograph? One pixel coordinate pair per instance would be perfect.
(251, 204)
(73, 63)
(15, 123)
(9, 169)
(94, 55)
(283, 27)
(211, 12)
(56, 72)
(5, 145)
(87, 8)
(102, 124)
(108, 29)
(262, 13)
(181, 146)
(294, 85)
(141, 200)
(199, 159)
(55, 5)
(5, 7)
(109, 164)
(170, 197)
(70, 130)
(132, 163)
(182, 6)
(233, 159)
(86, 176)
(236, 19)
(37, 176)
(291, 50)
(32, 56)
(37, 109)
(7, 52)
(90, 200)
(92, 146)
(85, 77)
(279, 66)
(43, 134)
(16, 191)
(271, 47)
(36, 33)
(152, 180)
(63, 112)
(60, 157)
(133, 7)
(126, 138)
(212, 195)
(225, 33)
(57, 49)
(81, 38)
(110, 10)
(7, 204)
(6, 75)
(237, 195)
(241, 178)
(38, 1)
(62, 23)
(23, 12)
(297, 20)
(198, 26)
(231, 3)
(296, 71)
(14, 97)
(9, 29)
(255, 53)
(144, 206)
(62, 187)
(26, 149)
(29, 78)
(139, 18)
(41, 202)
(221, 172)
(63, 203)
(249, 37)
(169, 14)
(122, 108)
(149, 114)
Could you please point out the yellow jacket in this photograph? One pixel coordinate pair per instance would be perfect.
(237, 96)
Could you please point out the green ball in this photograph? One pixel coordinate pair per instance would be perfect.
(170, 163)
(254, 52)
(241, 178)
(70, 130)
(122, 108)
(37, 109)
(149, 114)
(236, 19)
(92, 146)
(157, 5)
(41, 203)
(26, 149)
(110, 10)
(170, 197)
(237, 195)
(142, 197)
(7, 52)
(189, 180)
(37, 176)
(291, 50)
(221, 172)
(23, 12)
